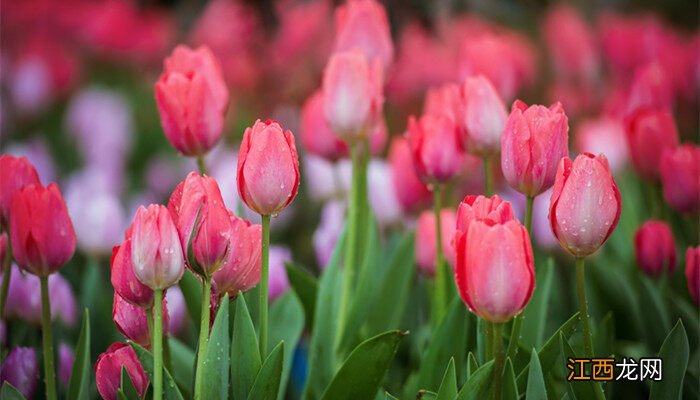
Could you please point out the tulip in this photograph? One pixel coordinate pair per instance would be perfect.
(680, 176)
(363, 24)
(24, 299)
(445, 100)
(328, 230)
(108, 371)
(268, 168)
(603, 135)
(534, 139)
(491, 210)
(131, 321)
(412, 194)
(692, 272)
(435, 148)
(571, 44)
(124, 280)
(482, 117)
(650, 89)
(352, 95)
(649, 133)
(66, 358)
(317, 136)
(655, 248)
(21, 370)
(192, 100)
(202, 222)
(240, 271)
(279, 282)
(426, 247)
(3, 250)
(585, 205)
(382, 196)
(15, 174)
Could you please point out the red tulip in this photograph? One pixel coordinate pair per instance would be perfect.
(123, 278)
(15, 173)
(156, 252)
(534, 140)
(426, 246)
(241, 269)
(192, 100)
(410, 191)
(585, 205)
(268, 168)
(3, 248)
(202, 222)
(655, 248)
(132, 321)
(316, 135)
(649, 133)
(108, 371)
(41, 231)
(437, 154)
(680, 176)
(352, 95)
(692, 272)
(482, 116)
(363, 24)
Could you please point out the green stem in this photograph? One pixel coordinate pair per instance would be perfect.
(203, 338)
(6, 274)
(49, 370)
(488, 183)
(263, 288)
(201, 165)
(489, 340)
(583, 307)
(158, 345)
(440, 300)
(514, 337)
(149, 321)
(497, 359)
(528, 213)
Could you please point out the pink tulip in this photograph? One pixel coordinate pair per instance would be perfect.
(156, 253)
(363, 25)
(3, 248)
(41, 231)
(650, 89)
(412, 194)
(132, 321)
(279, 282)
(66, 359)
(491, 210)
(15, 173)
(534, 140)
(482, 116)
(268, 168)
(692, 272)
(241, 269)
(437, 154)
(680, 176)
(317, 136)
(328, 230)
(108, 371)
(352, 95)
(37, 150)
(445, 100)
(21, 370)
(382, 196)
(649, 133)
(124, 279)
(655, 248)
(426, 246)
(603, 135)
(192, 100)
(585, 205)
(24, 299)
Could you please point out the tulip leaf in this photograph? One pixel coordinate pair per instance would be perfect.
(583, 389)
(127, 389)
(448, 387)
(245, 356)
(192, 292)
(656, 320)
(472, 364)
(479, 384)
(286, 325)
(216, 363)
(182, 358)
(389, 396)
(79, 384)
(170, 390)
(267, 383)
(306, 287)
(510, 386)
(363, 371)
(534, 316)
(604, 336)
(536, 388)
(674, 353)
(9, 392)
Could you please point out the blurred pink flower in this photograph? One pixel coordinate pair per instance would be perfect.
(603, 135)
(426, 246)
(363, 25)
(382, 196)
(39, 154)
(177, 311)
(328, 230)
(279, 283)
(65, 364)
(21, 369)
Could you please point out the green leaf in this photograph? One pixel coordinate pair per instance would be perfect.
(79, 384)
(472, 364)
(426, 395)
(127, 388)
(674, 353)
(170, 390)
(182, 361)
(478, 385)
(267, 383)
(536, 388)
(448, 387)
(9, 392)
(656, 320)
(286, 325)
(534, 317)
(388, 396)
(510, 386)
(582, 390)
(192, 292)
(305, 286)
(216, 363)
(361, 374)
(604, 336)
(245, 355)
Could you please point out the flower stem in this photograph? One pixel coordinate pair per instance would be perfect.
(263, 289)
(440, 300)
(497, 359)
(514, 337)
(488, 183)
(6, 274)
(583, 307)
(158, 345)
(49, 370)
(528, 213)
(203, 338)
(201, 165)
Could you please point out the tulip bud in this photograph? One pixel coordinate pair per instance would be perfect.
(680, 176)
(15, 173)
(410, 191)
(482, 116)
(241, 269)
(155, 248)
(202, 222)
(363, 25)
(352, 95)
(268, 168)
(41, 231)
(649, 133)
(534, 139)
(124, 280)
(494, 270)
(316, 135)
(192, 100)
(279, 282)
(480, 208)
(692, 272)
(66, 359)
(426, 246)
(655, 248)
(108, 371)
(132, 321)
(437, 154)
(21, 370)
(585, 205)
